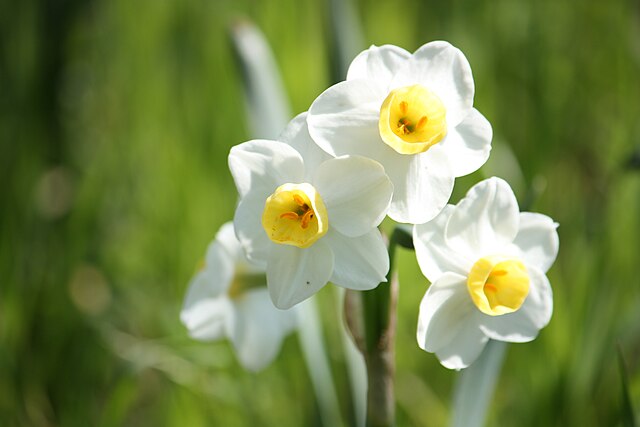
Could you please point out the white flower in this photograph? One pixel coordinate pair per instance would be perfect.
(309, 221)
(414, 114)
(487, 263)
(229, 298)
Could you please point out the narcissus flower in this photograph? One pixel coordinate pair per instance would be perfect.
(414, 114)
(486, 262)
(228, 297)
(310, 221)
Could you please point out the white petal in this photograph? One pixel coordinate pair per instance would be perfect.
(207, 319)
(249, 231)
(468, 145)
(344, 119)
(537, 240)
(294, 274)
(356, 192)
(434, 255)
(262, 165)
(296, 134)
(464, 349)
(485, 221)
(378, 63)
(445, 311)
(422, 185)
(445, 70)
(259, 329)
(360, 263)
(213, 280)
(226, 239)
(523, 325)
(205, 310)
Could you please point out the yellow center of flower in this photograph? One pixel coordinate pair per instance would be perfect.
(295, 215)
(498, 284)
(412, 119)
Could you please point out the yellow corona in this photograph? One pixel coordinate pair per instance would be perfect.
(412, 119)
(295, 215)
(498, 284)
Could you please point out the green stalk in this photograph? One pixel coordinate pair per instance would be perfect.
(375, 337)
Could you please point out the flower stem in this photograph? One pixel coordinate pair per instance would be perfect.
(376, 337)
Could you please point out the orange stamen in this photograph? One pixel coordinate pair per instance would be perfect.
(299, 200)
(490, 287)
(289, 215)
(423, 121)
(306, 218)
(404, 107)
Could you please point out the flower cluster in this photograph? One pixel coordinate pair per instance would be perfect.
(388, 141)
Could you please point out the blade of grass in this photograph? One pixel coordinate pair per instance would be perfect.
(266, 102)
(315, 356)
(345, 37)
(475, 385)
(628, 416)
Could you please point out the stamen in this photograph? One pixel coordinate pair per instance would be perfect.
(299, 200)
(289, 215)
(490, 287)
(423, 121)
(306, 218)
(404, 107)
(404, 126)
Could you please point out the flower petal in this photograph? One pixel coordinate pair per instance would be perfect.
(422, 185)
(217, 272)
(356, 193)
(261, 166)
(445, 70)
(247, 222)
(464, 348)
(434, 255)
(344, 119)
(523, 325)
(468, 145)
(378, 63)
(204, 309)
(226, 239)
(207, 319)
(445, 310)
(294, 274)
(537, 240)
(296, 134)
(259, 329)
(360, 263)
(485, 221)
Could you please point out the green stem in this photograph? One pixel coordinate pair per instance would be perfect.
(379, 314)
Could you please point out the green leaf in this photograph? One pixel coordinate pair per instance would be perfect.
(268, 110)
(315, 356)
(475, 385)
(628, 416)
(345, 38)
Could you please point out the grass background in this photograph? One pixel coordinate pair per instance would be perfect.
(116, 118)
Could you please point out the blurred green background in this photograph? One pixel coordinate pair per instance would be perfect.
(116, 118)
